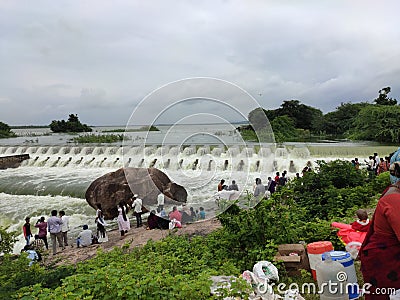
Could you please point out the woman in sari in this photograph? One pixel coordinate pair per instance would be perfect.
(380, 251)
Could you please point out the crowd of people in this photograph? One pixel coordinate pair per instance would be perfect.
(375, 164)
(259, 189)
(57, 225)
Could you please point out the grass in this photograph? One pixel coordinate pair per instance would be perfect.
(94, 138)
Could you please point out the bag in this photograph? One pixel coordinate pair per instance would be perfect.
(395, 296)
(266, 271)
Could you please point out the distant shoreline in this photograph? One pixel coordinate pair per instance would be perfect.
(131, 125)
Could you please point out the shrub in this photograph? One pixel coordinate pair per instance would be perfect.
(7, 240)
(104, 138)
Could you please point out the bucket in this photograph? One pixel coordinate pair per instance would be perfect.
(346, 260)
(315, 251)
(330, 285)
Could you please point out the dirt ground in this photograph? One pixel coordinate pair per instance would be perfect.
(135, 236)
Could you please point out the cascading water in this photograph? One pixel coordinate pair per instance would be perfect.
(161, 157)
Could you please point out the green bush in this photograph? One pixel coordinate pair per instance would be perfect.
(104, 138)
(174, 268)
(15, 273)
(7, 240)
(333, 189)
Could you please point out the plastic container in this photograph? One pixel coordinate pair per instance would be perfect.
(353, 248)
(315, 251)
(347, 261)
(332, 283)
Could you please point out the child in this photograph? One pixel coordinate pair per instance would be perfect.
(362, 224)
(202, 214)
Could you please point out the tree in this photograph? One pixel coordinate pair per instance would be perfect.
(305, 116)
(283, 128)
(72, 125)
(383, 98)
(4, 127)
(73, 118)
(341, 120)
(378, 123)
(5, 131)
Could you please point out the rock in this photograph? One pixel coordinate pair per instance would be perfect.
(114, 187)
(12, 161)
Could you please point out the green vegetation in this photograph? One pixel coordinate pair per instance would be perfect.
(144, 128)
(114, 130)
(5, 131)
(72, 125)
(179, 267)
(377, 123)
(95, 138)
(7, 240)
(29, 126)
(147, 128)
(294, 121)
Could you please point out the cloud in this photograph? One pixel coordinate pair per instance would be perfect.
(4, 100)
(101, 58)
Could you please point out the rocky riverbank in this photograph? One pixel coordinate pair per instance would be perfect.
(136, 237)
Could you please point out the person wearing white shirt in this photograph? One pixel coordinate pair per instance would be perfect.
(160, 200)
(137, 209)
(64, 227)
(85, 237)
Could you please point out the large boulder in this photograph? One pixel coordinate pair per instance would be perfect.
(114, 187)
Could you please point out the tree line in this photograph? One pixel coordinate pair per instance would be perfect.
(294, 121)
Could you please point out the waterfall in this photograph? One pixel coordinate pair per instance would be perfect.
(216, 152)
(204, 158)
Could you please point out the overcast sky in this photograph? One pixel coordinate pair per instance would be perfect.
(100, 59)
